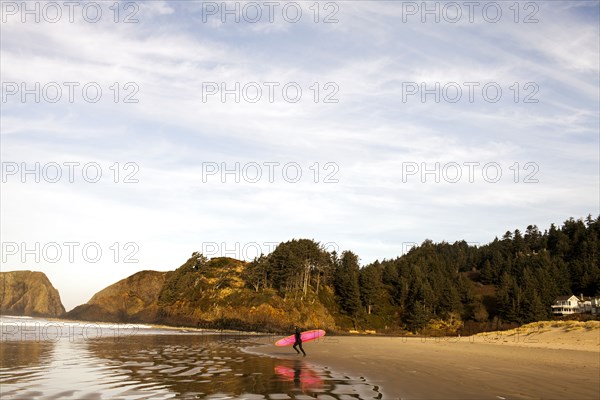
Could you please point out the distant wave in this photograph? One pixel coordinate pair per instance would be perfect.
(33, 321)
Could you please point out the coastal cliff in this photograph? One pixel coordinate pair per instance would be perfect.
(29, 293)
(133, 299)
(202, 293)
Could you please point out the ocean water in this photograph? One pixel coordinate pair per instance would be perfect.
(41, 359)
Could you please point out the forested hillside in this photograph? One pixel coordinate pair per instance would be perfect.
(436, 288)
(439, 286)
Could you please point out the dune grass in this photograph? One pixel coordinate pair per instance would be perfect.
(539, 327)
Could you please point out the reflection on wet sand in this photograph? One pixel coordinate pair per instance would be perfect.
(23, 361)
(166, 366)
(298, 372)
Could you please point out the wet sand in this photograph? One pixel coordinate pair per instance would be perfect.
(163, 366)
(549, 365)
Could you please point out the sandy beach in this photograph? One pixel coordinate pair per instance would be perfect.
(545, 362)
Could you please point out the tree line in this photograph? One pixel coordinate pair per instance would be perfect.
(512, 279)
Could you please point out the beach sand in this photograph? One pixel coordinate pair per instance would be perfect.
(543, 362)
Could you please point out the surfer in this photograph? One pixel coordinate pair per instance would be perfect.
(298, 342)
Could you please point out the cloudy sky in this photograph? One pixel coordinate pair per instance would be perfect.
(365, 125)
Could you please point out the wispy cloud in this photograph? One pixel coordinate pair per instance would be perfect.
(370, 134)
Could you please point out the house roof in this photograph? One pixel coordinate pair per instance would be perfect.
(585, 298)
(562, 298)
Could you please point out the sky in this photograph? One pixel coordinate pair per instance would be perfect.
(134, 133)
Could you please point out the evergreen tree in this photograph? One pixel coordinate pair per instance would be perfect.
(519, 276)
(346, 283)
(370, 284)
(417, 317)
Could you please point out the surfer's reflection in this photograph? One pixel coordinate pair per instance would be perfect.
(302, 376)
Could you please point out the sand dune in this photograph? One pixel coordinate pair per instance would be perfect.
(569, 335)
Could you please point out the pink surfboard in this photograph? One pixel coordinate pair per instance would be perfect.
(306, 337)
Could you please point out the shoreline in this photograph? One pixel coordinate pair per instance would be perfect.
(543, 360)
(138, 325)
(558, 365)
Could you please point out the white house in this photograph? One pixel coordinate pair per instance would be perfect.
(565, 305)
(596, 306)
(585, 305)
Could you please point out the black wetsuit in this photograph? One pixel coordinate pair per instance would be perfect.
(298, 343)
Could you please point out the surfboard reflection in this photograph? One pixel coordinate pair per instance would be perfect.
(299, 373)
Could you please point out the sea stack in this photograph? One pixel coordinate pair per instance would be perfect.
(29, 293)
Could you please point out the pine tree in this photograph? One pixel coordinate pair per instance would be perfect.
(346, 283)
(417, 316)
(370, 284)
